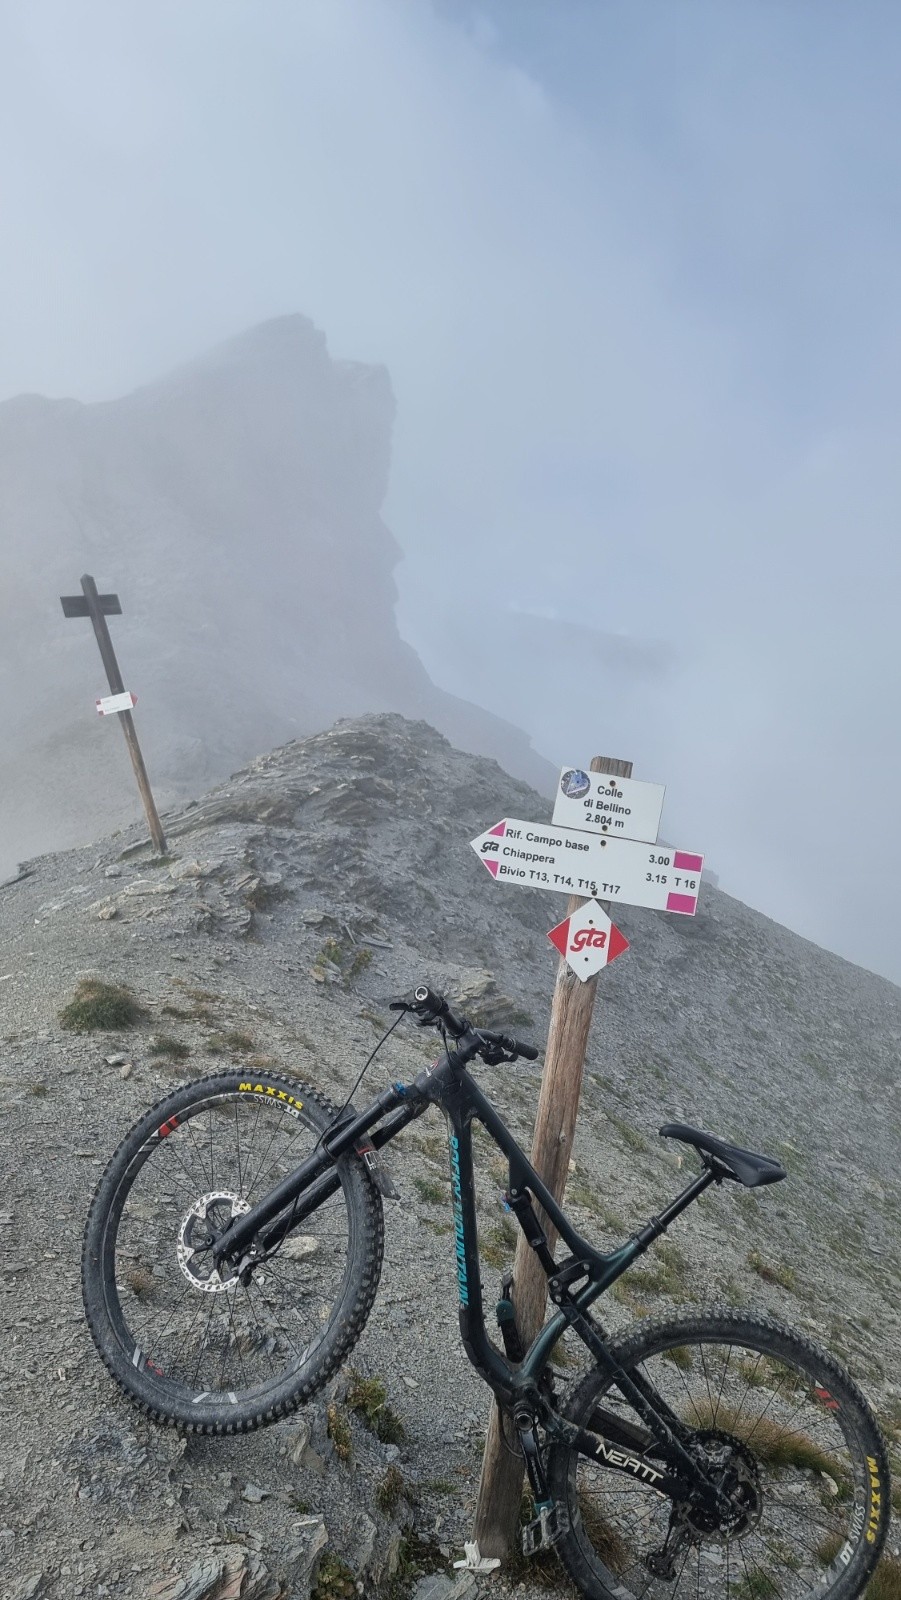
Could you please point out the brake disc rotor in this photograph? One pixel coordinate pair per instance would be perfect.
(740, 1480)
(203, 1223)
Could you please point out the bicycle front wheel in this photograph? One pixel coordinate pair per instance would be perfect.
(196, 1349)
(794, 1441)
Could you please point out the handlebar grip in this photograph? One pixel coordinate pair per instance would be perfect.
(427, 1000)
(431, 1006)
(527, 1051)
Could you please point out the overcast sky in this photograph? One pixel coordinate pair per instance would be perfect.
(634, 268)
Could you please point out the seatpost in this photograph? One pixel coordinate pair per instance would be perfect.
(659, 1224)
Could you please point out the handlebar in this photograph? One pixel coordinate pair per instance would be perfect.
(433, 1011)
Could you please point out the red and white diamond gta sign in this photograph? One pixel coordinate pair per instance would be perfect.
(588, 940)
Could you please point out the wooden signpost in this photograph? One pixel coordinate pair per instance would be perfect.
(98, 606)
(500, 1487)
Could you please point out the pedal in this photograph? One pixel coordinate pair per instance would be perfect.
(550, 1525)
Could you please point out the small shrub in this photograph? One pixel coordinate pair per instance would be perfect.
(39, 1089)
(390, 1491)
(350, 966)
(434, 1193)
(361, 960)
(828, 1548)
(606, 1539)
(367, 1397)
(140, 1282)
(338, 1429)
(334, 1580)
(885, 1583)
(679, 1355)
(165, 1045)
(668, 1274)
(757, 1585)
(629, 1135)
(772, 1443)
(105, 1007)
(772, 1272)
(415, 1556)
(496, 1244)
(232, 1043)
(734, 1294)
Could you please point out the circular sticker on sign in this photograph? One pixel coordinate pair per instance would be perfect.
(575, 783)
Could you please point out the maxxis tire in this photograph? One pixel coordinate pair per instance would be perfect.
(158, 1397)
(835, 1392)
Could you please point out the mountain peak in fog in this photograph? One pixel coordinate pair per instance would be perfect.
(235, 508)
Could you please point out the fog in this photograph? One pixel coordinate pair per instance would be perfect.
(633, 271)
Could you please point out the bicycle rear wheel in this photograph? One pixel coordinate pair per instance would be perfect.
(792, 1433)
(204, 1352)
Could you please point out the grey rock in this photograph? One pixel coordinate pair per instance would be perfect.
(361, 1544)
(306, 1541)
(441, 1586)
(234, 1574)
(30, 1588)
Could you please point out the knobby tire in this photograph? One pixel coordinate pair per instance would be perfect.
(808, 1453)
(192, 1350)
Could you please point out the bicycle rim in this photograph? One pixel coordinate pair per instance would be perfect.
(190, 1344)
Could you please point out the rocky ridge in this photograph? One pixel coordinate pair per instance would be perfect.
(235, 507)
(298, 898)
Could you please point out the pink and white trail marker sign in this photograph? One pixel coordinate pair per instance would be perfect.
(541, 855)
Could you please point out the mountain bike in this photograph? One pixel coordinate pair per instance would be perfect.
(232, 1255)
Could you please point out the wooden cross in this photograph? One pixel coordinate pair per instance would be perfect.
(98, 607)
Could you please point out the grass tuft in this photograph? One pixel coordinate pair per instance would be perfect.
(334, 1580)
(165, 1045)
(390, 1491)
(885, 1583)
(105, 1007)
(772, 1271)
(431, 1191)
(497, 1243)
(771, 1443)
(232, 1043)
(338, 1430)
(367, 1397)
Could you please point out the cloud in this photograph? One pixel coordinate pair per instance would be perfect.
(636, 290)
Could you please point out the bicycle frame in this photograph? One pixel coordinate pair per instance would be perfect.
(517, 1385)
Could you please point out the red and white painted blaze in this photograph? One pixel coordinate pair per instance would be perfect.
(588, 940)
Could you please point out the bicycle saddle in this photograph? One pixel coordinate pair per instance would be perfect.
(742, 1165)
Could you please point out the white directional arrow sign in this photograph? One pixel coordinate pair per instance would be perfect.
(539, 855)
